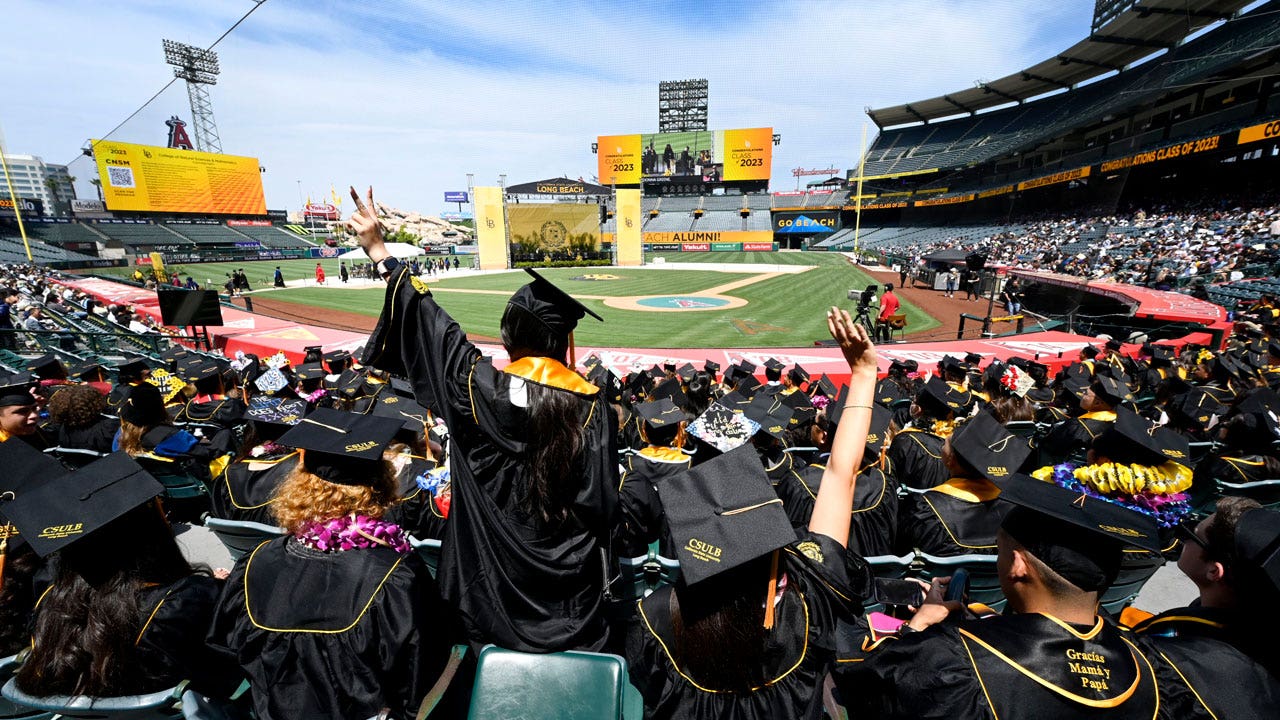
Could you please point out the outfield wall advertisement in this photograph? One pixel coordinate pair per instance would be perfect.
(706, 155)
(145, 178)
(558, 227)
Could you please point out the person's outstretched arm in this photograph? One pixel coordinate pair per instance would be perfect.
(832, 509)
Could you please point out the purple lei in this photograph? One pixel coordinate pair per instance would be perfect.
(352, 531)
(1167, 510)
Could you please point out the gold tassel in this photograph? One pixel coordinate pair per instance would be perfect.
(773, 589)
(573, 352)
(4, 550)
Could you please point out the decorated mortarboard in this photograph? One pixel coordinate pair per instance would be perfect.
(1080, 537)
(1257, 544)
(1143, 442)
(722, 427)
(275, 410)
(723, 513)
(342, 447)
(661, 413)
(711, 367)
(552, 306)
(167, 383)
(686, 372)
(823, 386)
(16, 390)
(271, 381)
(989, 448)
(73, 506)
(1111, 390)
(798, 374)
(47, 367)
(277, 361)
(774, 365)
(310, 371)
(25, 469)
(132, 370)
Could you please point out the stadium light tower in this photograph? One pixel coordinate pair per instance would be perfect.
(199, 67)
(682, 105)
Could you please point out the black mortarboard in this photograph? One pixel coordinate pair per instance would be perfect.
(1196, 408)
(989, 448)
(310, 371)
(661, 413)
(591, 362)
(411, 416)
(71, 507)
(342, 447)
(1258, 543)
(200, 371)
(722, 514)
(48, 367)
(1113, 345)
(337, 360)
(801, 416)
(25, 469)
(669, 389)
(906, 366)
(553, 306)
(143, 406)
(1163, 353)
(1273, 348)
(658, 371)
(1110, 389)
(952, 364)
(608, 383)
(747, 385)
(174, 352)
(973, 359)
(823, 386)
(88, 367)
(877, 433)
(132, 370)
(774, 417)
(941, 397)
(888, 392)
(686, 372)
(798, 374)
(711, 367)
(774, 365)
(1134, 439)
(735, 401)
(16, 390)
(1048, 521)
(669, 365)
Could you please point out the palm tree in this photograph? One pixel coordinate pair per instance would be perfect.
(97, 183)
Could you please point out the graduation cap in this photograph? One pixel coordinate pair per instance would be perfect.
(877, 433)
(798, 374)
(1113, 345)
(552, 306)
(48, 367)
(989, 448)
(657, 371)
(342, 447)
(1110, 390)
(774, 365)
(16, 390)
(312, 353)
(279, 360)
(711, 367)
(888, 393)
(1257, 543)
(973, 359)
(1162, 353)
(1196, 408)
(722, 514)
(686, 372)
(337, 358)
(661, 414)
(144, 406)
(1079, 537)
(905, 366)
(1273, 348)
(310, 371)
(201, 371)
(722, 427)
(25, 469)
(952, 364)
(413, 418)
(941, 397)
(747, 385)
(73, 506)
(132, 370)
(166, 382)
(668, 389)
(271, 381)
(173, 353)
(1134, 439)
(276, 411)
(823, 387)
(638, 383)
(89, 367)
(774, 417)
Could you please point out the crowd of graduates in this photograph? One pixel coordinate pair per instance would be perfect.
(771, 488)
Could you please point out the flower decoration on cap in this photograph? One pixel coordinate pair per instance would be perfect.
(1016, 381)
(1156, 491)
(277, 361)
(167, 383)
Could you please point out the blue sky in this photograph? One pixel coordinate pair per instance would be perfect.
(411, 96)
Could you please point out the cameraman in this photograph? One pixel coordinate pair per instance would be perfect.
(867, 304)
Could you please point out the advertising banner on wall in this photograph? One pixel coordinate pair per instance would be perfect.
(147, 178)
(814, 221)
(554, 227)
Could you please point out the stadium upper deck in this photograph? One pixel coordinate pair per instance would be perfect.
(1166, 97)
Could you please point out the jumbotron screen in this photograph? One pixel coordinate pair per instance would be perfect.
(145, 178)
(709, 155)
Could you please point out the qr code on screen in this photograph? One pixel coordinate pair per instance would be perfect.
(121, 177)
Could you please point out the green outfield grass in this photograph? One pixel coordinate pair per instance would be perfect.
(785, 311)
(260, 272)
(630, 281)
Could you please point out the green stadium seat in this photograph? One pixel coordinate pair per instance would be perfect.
(1136, 569)
(429, 551)
(241, 536)
(581, 685)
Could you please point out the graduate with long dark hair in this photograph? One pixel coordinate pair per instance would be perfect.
(533, 465)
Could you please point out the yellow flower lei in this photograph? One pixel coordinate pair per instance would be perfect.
(943, 428)
(1112, 478)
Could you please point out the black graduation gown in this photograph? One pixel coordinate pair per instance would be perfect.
(799, 651)
(958, 517)
(245, 490)
(1237, 468)
(874, 520)
(333, 634)
(1011, 667)
(171, 642)
(517, 582)
(416, 510)
(1075, 435)
(223, 411)
(96, 437)
(916, 458)
(640, 517)
(1216, 662)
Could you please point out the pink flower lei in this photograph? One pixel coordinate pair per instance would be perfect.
(353, 531)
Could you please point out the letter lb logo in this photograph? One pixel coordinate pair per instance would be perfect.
(489, 223)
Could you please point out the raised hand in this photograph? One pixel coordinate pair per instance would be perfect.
(364, 223)
(854, 341)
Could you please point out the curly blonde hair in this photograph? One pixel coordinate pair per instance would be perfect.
(131, 438)
(305, 497)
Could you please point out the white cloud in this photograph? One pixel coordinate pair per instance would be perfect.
(411, 96)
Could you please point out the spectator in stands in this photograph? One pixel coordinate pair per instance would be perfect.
(7, 339)
(139, 323)
(1012, 296)
(888, 308)
(35, 321)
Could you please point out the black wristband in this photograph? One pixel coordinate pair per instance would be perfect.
(387, 266)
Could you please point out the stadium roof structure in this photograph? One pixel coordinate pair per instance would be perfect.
(1144, 28)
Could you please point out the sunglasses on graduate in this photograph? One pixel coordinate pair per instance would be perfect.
(1186, 531)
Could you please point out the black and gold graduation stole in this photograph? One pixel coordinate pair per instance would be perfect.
(1040, 661)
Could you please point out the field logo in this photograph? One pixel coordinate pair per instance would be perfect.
(682, 302)
(596, 276)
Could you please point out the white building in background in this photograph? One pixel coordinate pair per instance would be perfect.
(32, 177)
